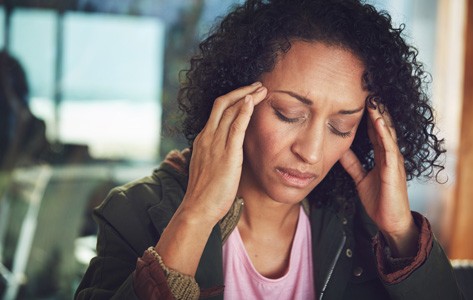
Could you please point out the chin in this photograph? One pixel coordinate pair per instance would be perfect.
(287, 195)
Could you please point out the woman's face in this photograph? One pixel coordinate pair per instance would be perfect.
(309, 118)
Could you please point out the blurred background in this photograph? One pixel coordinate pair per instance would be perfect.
(88, 101)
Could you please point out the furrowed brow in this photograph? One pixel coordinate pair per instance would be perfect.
(309, 102)
(301, 98)
(350, 111)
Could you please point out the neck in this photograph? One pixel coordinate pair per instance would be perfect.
(261, 214)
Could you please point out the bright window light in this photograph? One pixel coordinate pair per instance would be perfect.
(111, 80)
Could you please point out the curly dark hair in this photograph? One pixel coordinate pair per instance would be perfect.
(247, 42)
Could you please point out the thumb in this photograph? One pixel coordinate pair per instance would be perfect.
(353, 166)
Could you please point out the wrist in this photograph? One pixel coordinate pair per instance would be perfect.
(200, 212)
(403, 242)
(183, 241)
(195, 218)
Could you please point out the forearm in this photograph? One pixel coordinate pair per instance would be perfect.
(183, 241)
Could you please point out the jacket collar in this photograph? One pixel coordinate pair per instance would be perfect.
(329, 239)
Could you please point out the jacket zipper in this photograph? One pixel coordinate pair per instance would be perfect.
(332, 266)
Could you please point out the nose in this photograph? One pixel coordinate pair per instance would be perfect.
(309, 145)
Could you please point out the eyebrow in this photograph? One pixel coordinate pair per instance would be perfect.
(307, 101)
(350, 111)
(302, 99)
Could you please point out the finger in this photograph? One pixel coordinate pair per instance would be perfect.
(236, 133)
(387, 142)
(383, 112)
(389, 122)
(352, 165)
(231, 113)
(386, 150)
(371, 130)
(380, 112)
(373, 135)
(226, 101)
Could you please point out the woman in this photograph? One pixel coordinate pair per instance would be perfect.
(295, 186)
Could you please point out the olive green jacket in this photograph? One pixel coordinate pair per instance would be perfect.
(133, 217)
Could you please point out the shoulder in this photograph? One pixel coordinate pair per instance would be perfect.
(165, 184)
(135, 204)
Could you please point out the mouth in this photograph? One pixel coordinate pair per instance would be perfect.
(296, 178)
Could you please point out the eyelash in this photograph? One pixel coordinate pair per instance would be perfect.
(294, 120)
(284, 118)
(340, 134)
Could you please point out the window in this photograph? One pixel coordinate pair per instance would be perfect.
(110, 79)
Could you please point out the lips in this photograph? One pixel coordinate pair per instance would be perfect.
(296, 178)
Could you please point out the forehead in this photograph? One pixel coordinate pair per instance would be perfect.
(319, 71)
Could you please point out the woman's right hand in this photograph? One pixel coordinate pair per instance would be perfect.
(214, 175)
(217, 156)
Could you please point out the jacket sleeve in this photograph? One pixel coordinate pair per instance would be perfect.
(110, 273)
(153, 280)
(123, 236)
(428, 275)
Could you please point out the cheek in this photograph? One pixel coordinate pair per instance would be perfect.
(265, 135)
(262, 137)
(337, 148)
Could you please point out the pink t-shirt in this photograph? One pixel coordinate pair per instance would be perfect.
(242, 281)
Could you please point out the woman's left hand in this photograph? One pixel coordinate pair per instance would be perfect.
(383, 190)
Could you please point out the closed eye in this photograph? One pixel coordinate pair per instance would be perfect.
(284, 118)
(334, 130)
(340, 133)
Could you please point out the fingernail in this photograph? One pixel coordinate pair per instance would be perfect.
(256, 83)
(381, 107)
(372, 104)
(382, 122)
(260, 89)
